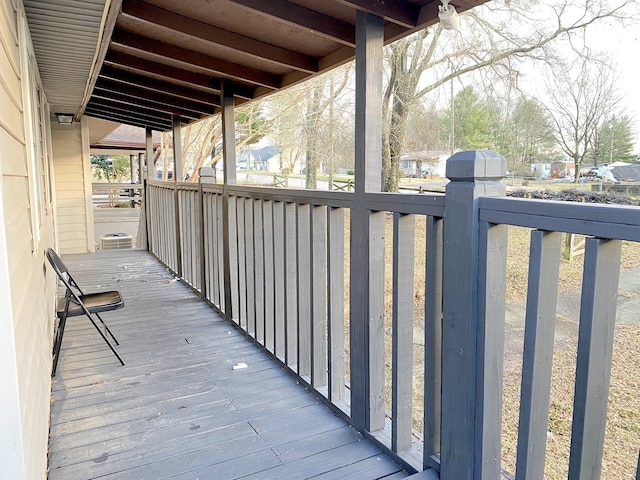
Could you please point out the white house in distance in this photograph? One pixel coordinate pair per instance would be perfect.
(431, 162)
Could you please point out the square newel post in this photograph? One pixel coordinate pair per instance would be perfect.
(367, 234)
(229, 172)
(472, 343)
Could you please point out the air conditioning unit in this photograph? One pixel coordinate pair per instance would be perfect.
(116, 241)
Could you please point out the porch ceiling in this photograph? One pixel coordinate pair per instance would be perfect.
(166, 57)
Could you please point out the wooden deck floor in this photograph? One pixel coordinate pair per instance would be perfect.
(177, 409)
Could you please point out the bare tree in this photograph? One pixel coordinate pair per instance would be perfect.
(580, 101)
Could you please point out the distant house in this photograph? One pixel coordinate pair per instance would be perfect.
(265, 159)
(541, 170)
(424, 162)
(562, 169)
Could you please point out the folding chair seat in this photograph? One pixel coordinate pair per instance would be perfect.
(76, 303)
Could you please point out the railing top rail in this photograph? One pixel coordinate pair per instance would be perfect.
(424, 204)
(161, 184)
(111, 186)
(604, 221)
(430, 204)
(312, 197)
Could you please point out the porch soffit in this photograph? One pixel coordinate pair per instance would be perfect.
(65, 36)
(167, 57)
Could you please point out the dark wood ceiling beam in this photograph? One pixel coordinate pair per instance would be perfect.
(301, 17)
(141, 66)
(126, 120)
(137, 104)
(167, 88)
(159, 117)
(214, 65)
(214, 35)
(401, 12)
(105, 86)
(97, 102)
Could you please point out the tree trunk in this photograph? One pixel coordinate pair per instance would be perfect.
(313, 105)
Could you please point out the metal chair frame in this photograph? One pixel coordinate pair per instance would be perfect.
(76, 302)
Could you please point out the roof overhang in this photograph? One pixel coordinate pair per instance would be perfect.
(156, 59)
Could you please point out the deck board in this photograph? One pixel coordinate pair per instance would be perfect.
(177, 409)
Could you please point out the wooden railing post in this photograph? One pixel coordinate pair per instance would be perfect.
(367, 234)
(150, 172)
(469, 342)
(229, 172)
(177, 177)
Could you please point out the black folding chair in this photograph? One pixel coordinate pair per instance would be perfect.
(76, 303)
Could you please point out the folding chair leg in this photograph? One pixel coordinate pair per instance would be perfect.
(57, 343)
(106, 340)
(107, 329)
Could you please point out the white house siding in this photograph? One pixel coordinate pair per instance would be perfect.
(27, 287)
(74, 212)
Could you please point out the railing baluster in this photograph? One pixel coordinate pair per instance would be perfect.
(491, 323)
(335, 262)
(222, 301)
(319, 296)
(258, 235)
(542, 294)
(269, 278)
(595, 347)
(231, 239)
(432, 339)
(207, 265)
(304, 290)
(242, 272)
(279, 281)
(402, 331)
(250, 266)
(291, 285)
(377, 222)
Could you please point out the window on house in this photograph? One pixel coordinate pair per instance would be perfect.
(36, 123)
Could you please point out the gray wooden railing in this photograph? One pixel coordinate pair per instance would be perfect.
(112, 194)
(277, 264)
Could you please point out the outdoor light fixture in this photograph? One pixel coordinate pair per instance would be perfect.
(65, 118)
(448, 16)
